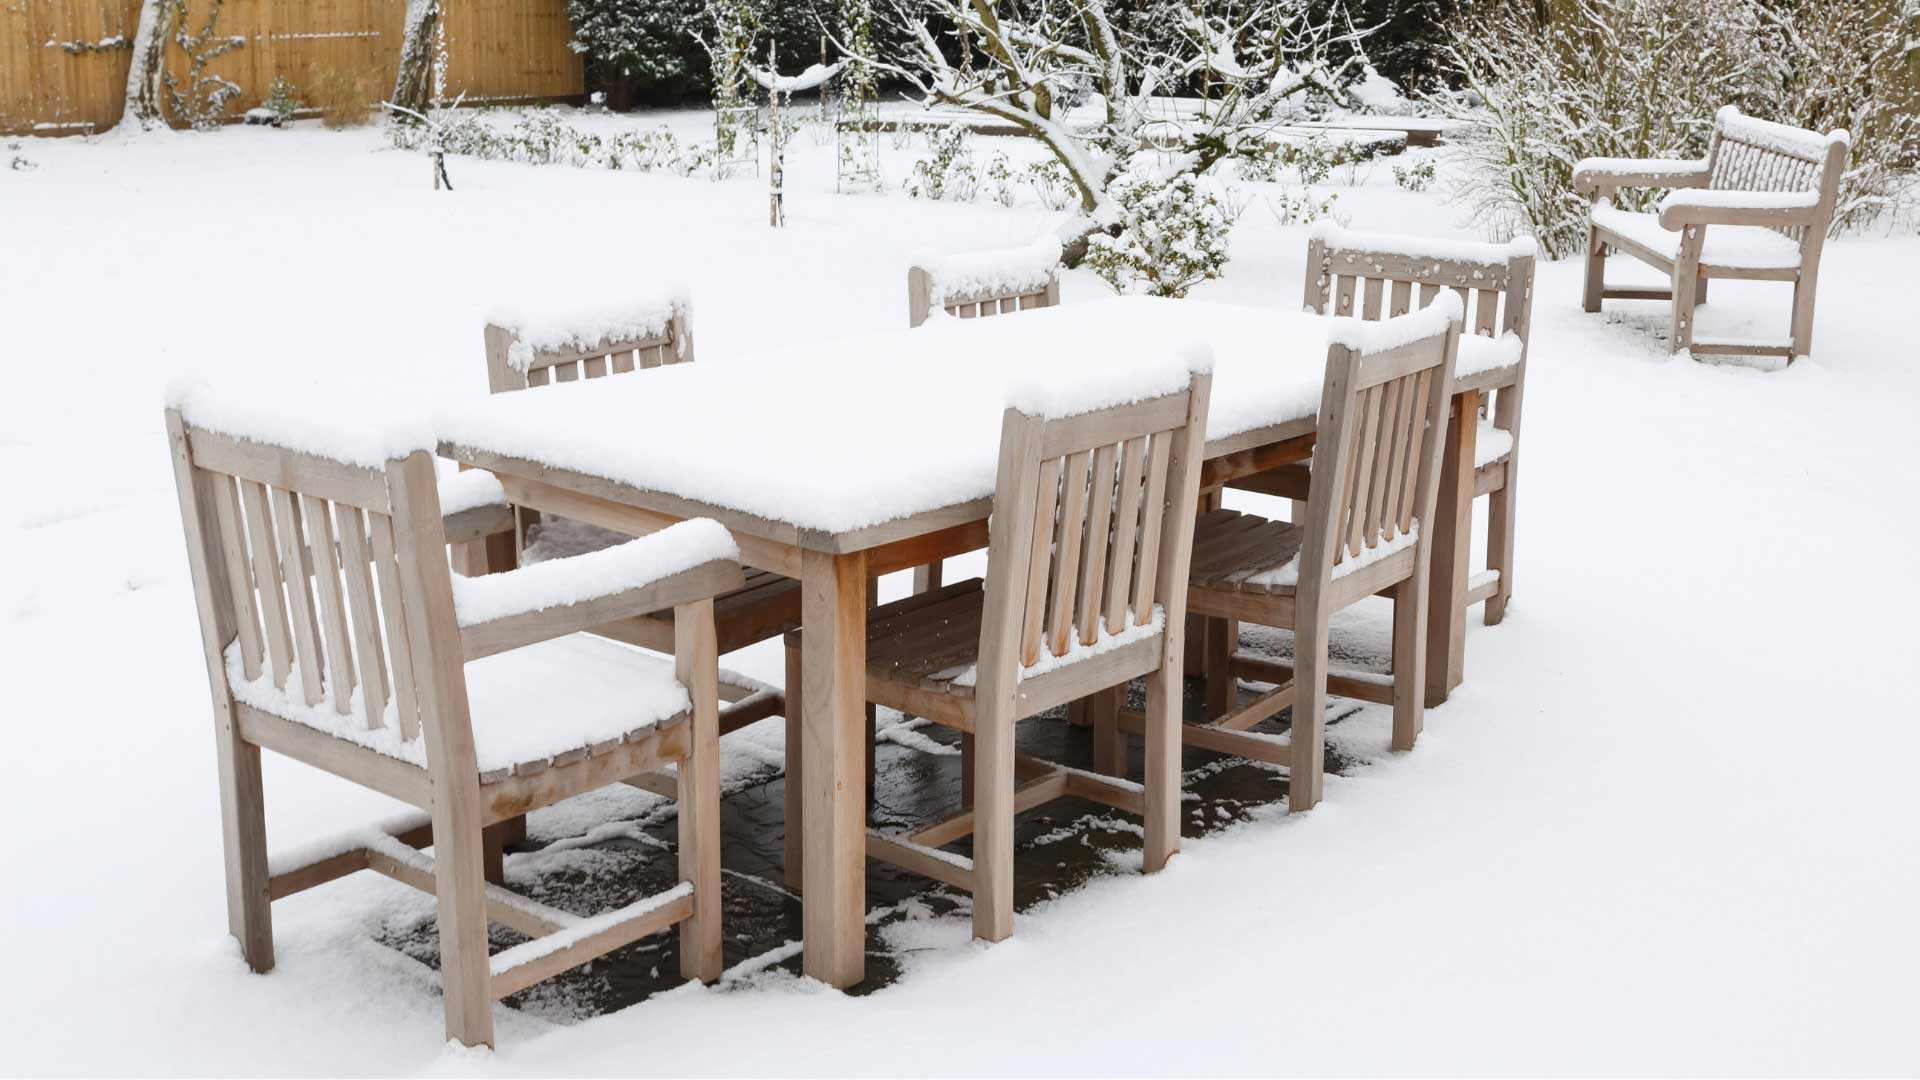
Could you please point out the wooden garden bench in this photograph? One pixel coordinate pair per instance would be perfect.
(1757, 207)
(1383, 415)
(335, 634)
(524, 353)
(1085, 591)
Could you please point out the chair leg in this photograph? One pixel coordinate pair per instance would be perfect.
(1162, 777)
(459, 885)
(493, 854)
(1109, 743)
(993, 783)
(1596, 283)
(1308, 733)
(927, 578)
(1409, 659)
(244, 838)
(1500, 547)
(697, 658)
(1686, 278)
(1296, 511)
(873, 746)
(966, 771)
(1217, 665)
(795, 832)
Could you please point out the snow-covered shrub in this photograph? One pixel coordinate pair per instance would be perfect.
(1173, 237)
(283, 99)
(1261, 161)
(1852, 64)
(1004, 185)
(1604, 78)
(1051, 185)
(735, 26)
(1304, 207)
(1415, 177)
(200, 99)
(949, 173)
(637, 48)
(345, 96)
(1312, 160)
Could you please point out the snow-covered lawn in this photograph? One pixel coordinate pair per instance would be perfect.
(1667, 824)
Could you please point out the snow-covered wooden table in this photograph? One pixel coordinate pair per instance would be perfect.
(838, 461)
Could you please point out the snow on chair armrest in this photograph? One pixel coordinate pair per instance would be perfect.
(681, 564)
(1591, 174)
(1719, 207)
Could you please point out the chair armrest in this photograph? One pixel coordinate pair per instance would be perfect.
(1774, 208)
(694, 560)
(1596, 174)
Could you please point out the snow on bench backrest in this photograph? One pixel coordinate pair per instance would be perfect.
(534, 348)
(1380, 272)
(978, 283)
(1750, 154)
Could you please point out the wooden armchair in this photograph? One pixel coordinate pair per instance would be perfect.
(522, 353)
(1757, 207)
(1383, 412)
(335, 634)
(1085, 591)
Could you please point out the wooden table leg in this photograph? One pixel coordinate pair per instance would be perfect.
(833, 612)
(1452, 540)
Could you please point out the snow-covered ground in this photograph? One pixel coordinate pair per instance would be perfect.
(1665, 826)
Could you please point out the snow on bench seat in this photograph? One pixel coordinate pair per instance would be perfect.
(1745, 247)
(611, 690)
(580, 578)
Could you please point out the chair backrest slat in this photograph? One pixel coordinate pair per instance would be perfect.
(332, 607)
(356, 566)
(296, 569)
(239, 565)
(386, 569)
(1096, 495)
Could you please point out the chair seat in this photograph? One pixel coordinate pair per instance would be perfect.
(1743, 247)
(529, 705)
(768, 605)
(1239, 552)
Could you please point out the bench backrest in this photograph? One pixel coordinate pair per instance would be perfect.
(1099, 525)
(514, 364)
(328, 580)
(1748, 154)
(984, 283)
(1383, 412)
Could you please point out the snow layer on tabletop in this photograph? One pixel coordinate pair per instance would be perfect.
(1377, 336)
(1766, 133)
(584, 689)
(580, 578)
(346, 421)
(1288, 573)
(466, 489)
(586, 325)
(1422, 247)
(1105, 641)
(973, 275)
(1072, 383)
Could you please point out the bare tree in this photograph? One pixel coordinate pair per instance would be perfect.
(1022, 61)
(146, 75)
(413, 83)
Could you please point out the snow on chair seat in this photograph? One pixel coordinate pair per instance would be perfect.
(1734, 247)
(1757, 206)
(335, 633)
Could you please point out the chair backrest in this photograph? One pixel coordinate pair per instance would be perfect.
(1093, 526)
(1383, 413)
(985, 282)
(1379, 275)
(327, 577)
(1748, 154)
(519, 356)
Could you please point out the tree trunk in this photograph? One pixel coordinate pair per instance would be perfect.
(144, 74)
(413, 85)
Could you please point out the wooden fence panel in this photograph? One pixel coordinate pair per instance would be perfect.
(55, 76)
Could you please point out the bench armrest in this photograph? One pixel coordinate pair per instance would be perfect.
(692, 561)
(1596, 174)
(1772, 208)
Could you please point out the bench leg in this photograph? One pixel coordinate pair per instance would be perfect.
(1686, 279)
(1803, 287)
(1596, 285)
(1700, 289)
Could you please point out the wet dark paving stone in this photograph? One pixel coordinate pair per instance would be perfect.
(1060, 847)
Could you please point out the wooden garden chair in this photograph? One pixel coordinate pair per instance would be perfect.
(1383, 415)
(765, 606)
(335, 634)
(1757, 207)
(1085, 591)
